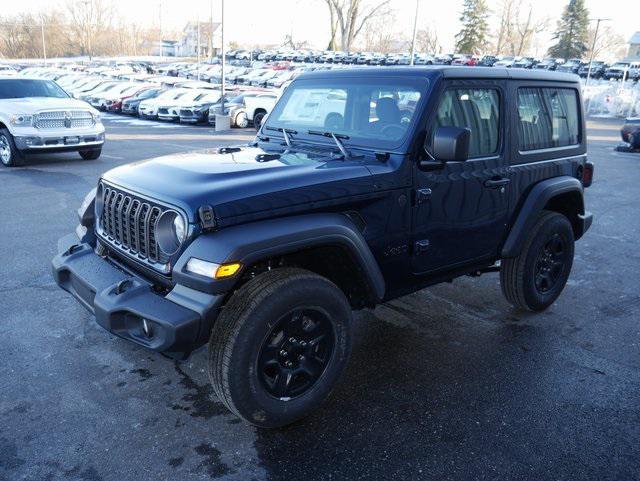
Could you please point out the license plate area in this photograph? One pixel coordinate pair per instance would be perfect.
(71, 140)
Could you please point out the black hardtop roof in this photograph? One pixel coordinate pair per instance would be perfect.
(445, 71)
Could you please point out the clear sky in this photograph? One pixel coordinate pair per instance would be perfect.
(268, 21)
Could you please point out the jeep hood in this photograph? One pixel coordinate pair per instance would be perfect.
(248, 182)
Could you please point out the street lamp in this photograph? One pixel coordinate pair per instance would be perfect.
(593, 46)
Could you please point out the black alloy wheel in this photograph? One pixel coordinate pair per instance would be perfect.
(295, 353)
(550, 264)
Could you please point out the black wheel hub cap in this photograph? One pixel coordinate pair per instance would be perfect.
(550, 264)
(296, 353)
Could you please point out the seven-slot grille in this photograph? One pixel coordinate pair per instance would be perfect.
(59, 119)
(129, 222)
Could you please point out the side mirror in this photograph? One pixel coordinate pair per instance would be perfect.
(451, 144)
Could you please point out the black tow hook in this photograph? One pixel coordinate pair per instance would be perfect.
(71, 250)
(122, 286)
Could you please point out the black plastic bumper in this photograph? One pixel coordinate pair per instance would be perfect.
(125, 304)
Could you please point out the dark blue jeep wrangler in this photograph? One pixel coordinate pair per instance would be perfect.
(362, 185)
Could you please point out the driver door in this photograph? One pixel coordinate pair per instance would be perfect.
(461, 209)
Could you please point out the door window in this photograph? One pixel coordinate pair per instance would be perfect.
(476, 109)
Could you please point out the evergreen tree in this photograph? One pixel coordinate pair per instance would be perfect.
(573, 32)
(473, 36)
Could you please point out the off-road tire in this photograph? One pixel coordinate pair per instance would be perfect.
(91, 154)
(16, 157)
(245, 324)
(518, 274)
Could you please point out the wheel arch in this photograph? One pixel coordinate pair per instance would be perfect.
(328, 244)
(559, 194)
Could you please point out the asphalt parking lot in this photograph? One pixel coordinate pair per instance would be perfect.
(450, 383)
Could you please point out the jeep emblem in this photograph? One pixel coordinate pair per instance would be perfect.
(67, 119)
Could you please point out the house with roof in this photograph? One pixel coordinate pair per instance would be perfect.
(634, 47)
(210, 37)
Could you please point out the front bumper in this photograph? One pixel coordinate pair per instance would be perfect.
(41, 143)
(126, 305)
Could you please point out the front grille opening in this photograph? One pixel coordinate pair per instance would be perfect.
(129, 223)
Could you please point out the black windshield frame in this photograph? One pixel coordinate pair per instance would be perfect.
(420, 85)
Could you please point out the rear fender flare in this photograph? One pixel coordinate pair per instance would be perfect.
(538, 197)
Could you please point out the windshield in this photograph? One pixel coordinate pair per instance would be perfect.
(372, 112)
(21, 88)
(620, 65)
(147, 94)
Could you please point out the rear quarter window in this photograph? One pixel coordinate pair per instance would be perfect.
(548, 117)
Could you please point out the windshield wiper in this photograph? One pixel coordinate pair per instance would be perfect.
(285, 133)
(337, 138)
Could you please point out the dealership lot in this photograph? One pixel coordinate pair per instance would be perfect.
(447, 383)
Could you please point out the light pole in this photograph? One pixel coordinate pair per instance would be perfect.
(593, 46)
(198, 47)
(222, 50)
(415, 31)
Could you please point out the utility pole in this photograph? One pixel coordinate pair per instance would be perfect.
(593, 46)
(44, 45)
(415, 31)
(211, 31)
(160, 26)
(198, 47)
(222, 50)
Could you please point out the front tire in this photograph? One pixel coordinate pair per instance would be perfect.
(257, 120)
(10, 156)
(91, 154)
(242, 121)
(279, 346)
(534, 279)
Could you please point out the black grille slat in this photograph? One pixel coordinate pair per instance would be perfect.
(130, 223)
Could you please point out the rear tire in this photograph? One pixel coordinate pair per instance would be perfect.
(257, 120)
(91, 154)
(279, 346)
(534, 279)
(241, 120)
(10, 156)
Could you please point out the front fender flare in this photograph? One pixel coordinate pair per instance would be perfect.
(256, 241)
(535, 202)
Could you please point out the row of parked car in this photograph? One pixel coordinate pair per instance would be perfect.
(628, 70)
(158, 97)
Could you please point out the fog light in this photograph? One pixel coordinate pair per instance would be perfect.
(31, 141)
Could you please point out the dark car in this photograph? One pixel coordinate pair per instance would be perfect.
(130, 105)
(631, 132)
(571, 66)
(598, 68)
(549, 64)
(264, 250)
(488, 61)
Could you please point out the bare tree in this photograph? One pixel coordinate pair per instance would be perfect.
(427, 41)
(378, 35)
(88, 20)
(350, 17)
(608, 43)
(517, 30)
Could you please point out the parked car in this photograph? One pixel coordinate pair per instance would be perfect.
(631, 132)
(148, 108)
(505, 62)
(130, 105)
(424, 59)
(598, 68)
(198, 111)
(487, 61)
(549, 64)
(619, 70)
(37, 116)
(462, 59)
(263, 251)
(571, 66)
(524, 62)
(192, 99)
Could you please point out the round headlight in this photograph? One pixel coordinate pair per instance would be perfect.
(171, 231)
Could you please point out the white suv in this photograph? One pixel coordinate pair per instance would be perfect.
(37, 116)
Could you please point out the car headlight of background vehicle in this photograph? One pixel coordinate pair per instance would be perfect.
(21, 119)
(171, 231)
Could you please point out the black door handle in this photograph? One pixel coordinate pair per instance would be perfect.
(496, 182)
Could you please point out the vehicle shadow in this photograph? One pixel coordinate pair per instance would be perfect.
(429, 394)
